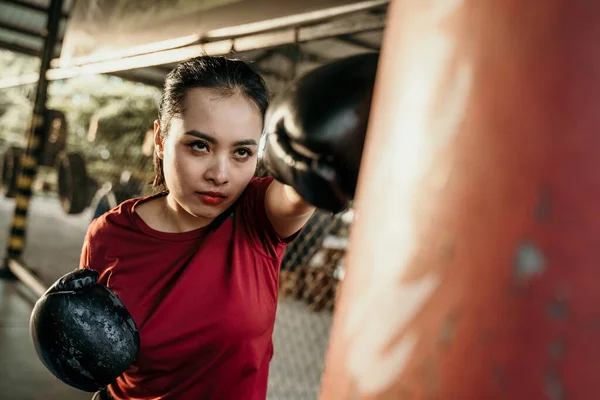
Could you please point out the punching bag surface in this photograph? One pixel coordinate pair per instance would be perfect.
(473, 270)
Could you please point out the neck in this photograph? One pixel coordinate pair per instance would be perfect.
(179, 220)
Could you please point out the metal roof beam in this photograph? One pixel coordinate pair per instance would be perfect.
(251, 42)
(17, 48)
(299, 20)
(31, 6)
(21, 30)
(358, 42)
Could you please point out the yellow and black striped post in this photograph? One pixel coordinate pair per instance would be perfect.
(27, 173)
(29, 163)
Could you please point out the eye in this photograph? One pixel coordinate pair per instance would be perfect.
(199, 146)
(243, 153)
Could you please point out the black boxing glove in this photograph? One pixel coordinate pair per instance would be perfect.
(315, 131)
(82, 332)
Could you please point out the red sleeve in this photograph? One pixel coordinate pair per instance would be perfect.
(255, 221)
(84, 260)
(87, 252)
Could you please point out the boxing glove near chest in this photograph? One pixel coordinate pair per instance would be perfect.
(82, 332)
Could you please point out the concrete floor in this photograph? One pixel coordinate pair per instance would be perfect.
(54, 243)
(22, 375)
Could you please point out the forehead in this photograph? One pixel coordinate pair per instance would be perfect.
(226, 116)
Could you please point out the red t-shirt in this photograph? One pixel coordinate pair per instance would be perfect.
(204, 301)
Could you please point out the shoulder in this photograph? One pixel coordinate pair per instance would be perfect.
(258, 186)
(112, 228)
(254, 221)
(252, 199)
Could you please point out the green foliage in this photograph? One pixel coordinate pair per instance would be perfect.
(124, 111)
(16, 104)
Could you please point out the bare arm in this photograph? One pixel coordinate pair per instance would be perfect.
(286, 210)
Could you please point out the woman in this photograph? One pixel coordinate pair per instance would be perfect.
(196, 265)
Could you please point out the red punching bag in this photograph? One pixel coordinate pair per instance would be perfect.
(473, 270)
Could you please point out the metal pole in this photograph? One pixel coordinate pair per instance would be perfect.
(27, 278)
(29, 164)
(472, 270)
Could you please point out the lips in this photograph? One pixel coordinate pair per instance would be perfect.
(211, 198)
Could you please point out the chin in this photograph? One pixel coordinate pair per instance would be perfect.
(205, 211)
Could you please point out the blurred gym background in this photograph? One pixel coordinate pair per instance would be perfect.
(97, 148)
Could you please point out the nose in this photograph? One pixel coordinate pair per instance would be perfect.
(218, 171)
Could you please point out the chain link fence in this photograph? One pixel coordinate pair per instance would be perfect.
(310, 273)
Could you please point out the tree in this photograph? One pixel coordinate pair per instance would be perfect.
(16, 105)
(124, 112)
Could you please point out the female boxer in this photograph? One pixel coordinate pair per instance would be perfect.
(196, 265)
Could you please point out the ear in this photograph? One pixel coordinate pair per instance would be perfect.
(158, 139)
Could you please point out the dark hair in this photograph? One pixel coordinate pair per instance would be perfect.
(228, 75)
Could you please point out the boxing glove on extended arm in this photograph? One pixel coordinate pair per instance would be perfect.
(315, 131)
(82, 332)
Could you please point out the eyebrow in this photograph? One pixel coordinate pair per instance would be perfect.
(210, 139)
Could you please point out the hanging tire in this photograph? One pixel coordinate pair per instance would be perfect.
(10, 166)
(73, 183)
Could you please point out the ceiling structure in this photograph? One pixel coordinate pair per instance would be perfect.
(23, 25)
(279, 51)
